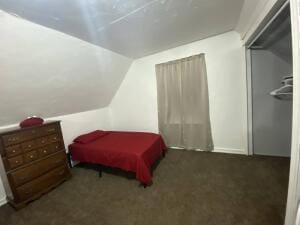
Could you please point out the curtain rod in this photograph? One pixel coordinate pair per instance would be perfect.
(181, 59)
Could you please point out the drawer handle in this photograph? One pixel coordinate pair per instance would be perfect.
(17, 161)
(29, 146)
(31, 156)
(45, 151)
(55, 138)
(56, 146)
(13, 151)
(43, 142)
(13, 139)
(51, 129)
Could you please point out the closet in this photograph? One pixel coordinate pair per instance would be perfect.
(271, 87)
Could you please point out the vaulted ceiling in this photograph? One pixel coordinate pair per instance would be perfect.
(60, 57)
(133, 28)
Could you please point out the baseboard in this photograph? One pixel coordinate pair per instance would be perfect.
(231, 151)
(3, 201)
(222, 150)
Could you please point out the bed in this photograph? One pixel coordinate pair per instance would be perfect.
(129, 151)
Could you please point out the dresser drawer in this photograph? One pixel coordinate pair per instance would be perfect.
(29, 145)
(14, 162)
(48, 140)
(30, 156)
(26, 174)
(21, 136)
(37, 132)
(42, 141)
(29, 134)
(50, 129)
(13, 150)
(54, 138)
(12, 139)
(49, 149)
(43, 182)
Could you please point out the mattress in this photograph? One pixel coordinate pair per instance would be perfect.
(130, 151)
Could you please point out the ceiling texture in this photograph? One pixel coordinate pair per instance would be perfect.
(133, 28)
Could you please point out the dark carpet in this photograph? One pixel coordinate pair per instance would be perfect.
(189, 188)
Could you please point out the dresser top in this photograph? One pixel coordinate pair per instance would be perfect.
(18, 128)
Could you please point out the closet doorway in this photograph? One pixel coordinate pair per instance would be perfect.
(270, 87)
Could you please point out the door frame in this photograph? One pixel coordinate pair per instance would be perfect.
(293, 199)
(270, 16)
(249, 102)
(294, 181)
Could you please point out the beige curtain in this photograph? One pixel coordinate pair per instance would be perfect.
(183, 106)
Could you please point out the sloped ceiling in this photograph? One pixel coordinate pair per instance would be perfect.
(47, 73)
(283, 48)
(60, 57)
(134, 28)
(248, 15)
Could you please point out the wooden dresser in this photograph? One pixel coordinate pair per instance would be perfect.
(34, 160)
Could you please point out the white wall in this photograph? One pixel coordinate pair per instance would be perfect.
(72, 126)
(48, 73)
(134, 106)
(80, 123)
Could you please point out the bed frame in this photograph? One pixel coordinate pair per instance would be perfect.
(100, 167)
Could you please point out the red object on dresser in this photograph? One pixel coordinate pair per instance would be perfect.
(130, 151)
(32, 121)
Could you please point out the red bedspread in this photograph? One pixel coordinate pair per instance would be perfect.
(130, 151)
